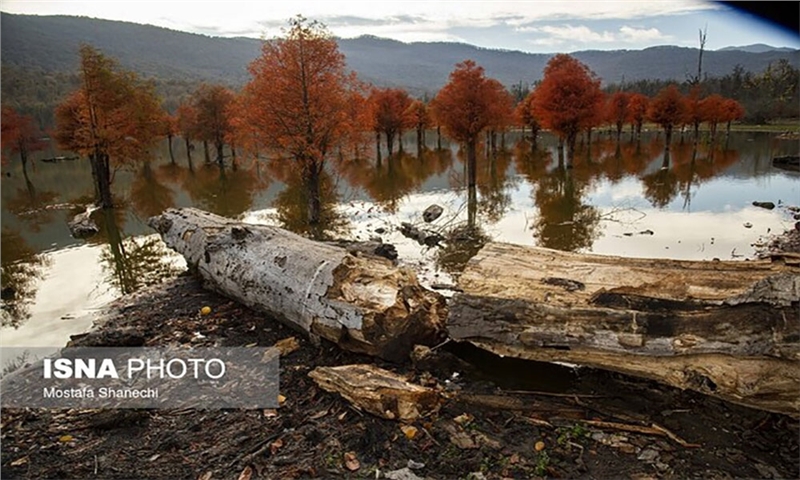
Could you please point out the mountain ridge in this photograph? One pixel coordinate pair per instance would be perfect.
(50, 44)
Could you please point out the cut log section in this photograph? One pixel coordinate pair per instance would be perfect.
(364, 305)
(728, 329)
(377, 391)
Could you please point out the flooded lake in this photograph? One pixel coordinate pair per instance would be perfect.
(615, 199)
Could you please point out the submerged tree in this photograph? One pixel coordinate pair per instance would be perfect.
(212, 104)
(568, 99)
(637, 111)
(20, 135)
(667, 109)
(297, 100)
(389, 107)
(465, 107)
(113, 117)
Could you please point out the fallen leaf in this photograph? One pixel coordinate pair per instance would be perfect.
(351, 462)
(281, 399)
(318, 415)
(514, 459)
(275, 446)
(287, 345)
(205, 476)
(19, 461)
(205, 310)
(539, 446)
(66, 438)
(410, 431)
(463, 419)
(270, 413)
(246, 474)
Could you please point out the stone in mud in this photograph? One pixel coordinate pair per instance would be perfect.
(432, 213)
(767, 205)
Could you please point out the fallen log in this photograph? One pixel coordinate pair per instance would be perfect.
(727, 329)
(364, 305)
(377, 391)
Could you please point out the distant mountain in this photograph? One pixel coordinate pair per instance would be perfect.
(756, 48)
(50, 44)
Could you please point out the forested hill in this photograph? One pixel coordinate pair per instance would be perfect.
(49, 44)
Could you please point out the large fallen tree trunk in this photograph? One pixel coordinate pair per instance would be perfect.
(728, 329)
(364, 305)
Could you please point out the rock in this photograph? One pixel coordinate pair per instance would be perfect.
(386, 250)
(415, 465)
(767, 205)
(432, 213)
(476, 476)
(748, 225)
(380, 230)
(402, 474)
(648, 455)
(82, 225)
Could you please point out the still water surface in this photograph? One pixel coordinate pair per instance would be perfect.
(612, 199)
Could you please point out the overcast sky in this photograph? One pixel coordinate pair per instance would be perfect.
(531, 26)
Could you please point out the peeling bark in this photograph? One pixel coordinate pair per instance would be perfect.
(377, 391)
(728, 329)
(364, 305)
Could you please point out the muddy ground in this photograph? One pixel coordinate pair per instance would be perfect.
(316, 434)
(505, 418)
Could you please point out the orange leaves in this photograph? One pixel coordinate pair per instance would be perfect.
(297, 99)
(667, 108)
(569, 97)
(20, 134)
(469, 102)
(114, 113)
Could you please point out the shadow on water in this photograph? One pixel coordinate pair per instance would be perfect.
(22, 268)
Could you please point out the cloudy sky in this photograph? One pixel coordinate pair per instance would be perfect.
(532, 26)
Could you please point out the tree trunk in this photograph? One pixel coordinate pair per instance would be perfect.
(667, 136)
(188, 150)
(390, 142)
(378, 147)
(438, 137)
(363, 304)
(472, 164)
(727, 329)
(205, 151)
(171, 152)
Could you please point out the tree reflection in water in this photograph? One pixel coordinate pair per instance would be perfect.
(22, 268)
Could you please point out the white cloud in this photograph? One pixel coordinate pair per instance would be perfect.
(631, 34)
(581, 33)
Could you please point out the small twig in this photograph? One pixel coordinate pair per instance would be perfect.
(537, 422)
(655, 429)
(551, 394)
(441, 344)
(430, 436)
(95, 465)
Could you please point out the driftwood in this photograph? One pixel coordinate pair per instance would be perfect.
(377, 391)
(364, 305)
(728, 329)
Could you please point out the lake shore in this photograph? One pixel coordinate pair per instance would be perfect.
(588, 422)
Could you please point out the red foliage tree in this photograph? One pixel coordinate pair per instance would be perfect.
(20, 134)
(526, 117)
(419, 117)
(713, 112)
(112, 116)
(694, 113)
(465, 107)
(213, 121)
(568, 99)
(667, 110)
(637, 111)
(618, 112)
(389, 114)
(297, 101)
(733, 111)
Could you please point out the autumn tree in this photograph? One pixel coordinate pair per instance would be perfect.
(20, 135)
(465, 107)
(419, 117)
(526, 116)
(713, 112)
(389, 114)
(113, 118)
(297, 100)
(502, 111)
(568, 98)
(694, 113)
(187, 126)
(637, 111)
(733, 111)
(212, 104)
(617, 111)
(667, 110)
